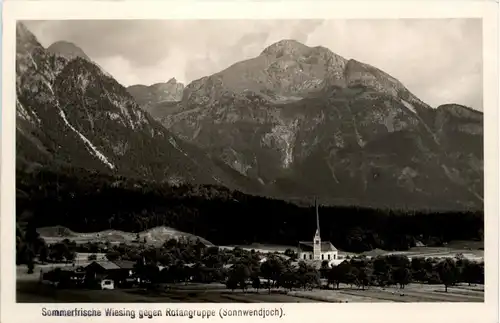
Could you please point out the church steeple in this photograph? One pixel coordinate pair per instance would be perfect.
(317, 236)
(317, 216)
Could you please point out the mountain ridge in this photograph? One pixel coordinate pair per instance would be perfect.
(308, 109)
(295, 121)
(70, 112)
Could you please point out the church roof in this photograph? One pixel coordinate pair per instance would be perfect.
(309, 246)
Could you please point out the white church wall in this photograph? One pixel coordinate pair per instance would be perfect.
(328, 255)
(305, 255)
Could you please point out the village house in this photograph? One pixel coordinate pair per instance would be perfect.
(317, 249)
(119, 270)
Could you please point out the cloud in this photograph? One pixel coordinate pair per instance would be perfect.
(439, 60)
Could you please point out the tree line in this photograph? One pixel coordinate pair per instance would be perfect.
(90, 202)
(178, 261)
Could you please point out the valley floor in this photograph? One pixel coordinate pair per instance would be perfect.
(33, 292)
(30, 291)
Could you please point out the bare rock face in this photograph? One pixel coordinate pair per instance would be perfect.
(152, 98)
(71, 114)
(306, 121)
(295, 121)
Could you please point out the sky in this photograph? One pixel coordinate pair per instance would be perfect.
(439, 60)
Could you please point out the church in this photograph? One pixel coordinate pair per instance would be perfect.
(317, 249)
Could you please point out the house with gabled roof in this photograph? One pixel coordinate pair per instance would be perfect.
(117, 270)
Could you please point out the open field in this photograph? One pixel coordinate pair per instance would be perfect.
(412, 293)
(154, 236)
(33, 292)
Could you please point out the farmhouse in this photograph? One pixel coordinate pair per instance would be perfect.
(317, 249)
(116, 270)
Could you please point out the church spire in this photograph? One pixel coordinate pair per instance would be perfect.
(317, 236)
(317, 216)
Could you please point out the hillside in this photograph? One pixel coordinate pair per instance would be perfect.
(304, 121)
(72, 114)
(153, 236)
(86, 202)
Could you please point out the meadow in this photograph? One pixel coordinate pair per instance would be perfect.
(34, 292)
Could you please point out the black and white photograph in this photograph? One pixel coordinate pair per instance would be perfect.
(250, 161)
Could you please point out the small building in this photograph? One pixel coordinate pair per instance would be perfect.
(317, 249)
(118, 270)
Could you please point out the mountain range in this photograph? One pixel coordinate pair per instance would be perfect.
(292, 123)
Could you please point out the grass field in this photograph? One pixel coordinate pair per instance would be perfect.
(33, 292)
(412, 293)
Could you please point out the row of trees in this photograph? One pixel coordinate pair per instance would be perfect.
(381, 271)
(190, 260)
(95, 203)
(276, 272)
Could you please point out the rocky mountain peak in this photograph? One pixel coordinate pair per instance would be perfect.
(150, 96)
(173, 80)
(71, 115)
(25, 40)
(286, 47)
(461, 111)
(293, 121)
(67, 50)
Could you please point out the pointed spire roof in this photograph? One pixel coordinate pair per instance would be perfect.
(317, 216)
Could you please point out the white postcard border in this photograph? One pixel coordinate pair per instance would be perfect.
(12, 312)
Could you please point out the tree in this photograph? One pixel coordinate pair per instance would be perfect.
(418, 271)
(288, 279)
(472, 273)
(43, 253)
(232, 283)
(151, 273)
(382, 271)
(30, 264)
(241, 273)
(307, 276)
(57, 252)
(348, 273)
(325, 268)
(112, 255)
(402, 276)
(70, 255)
(272, 269)
(256, 282)
(92, 257)
(363, 277)
(448, 272)
(312, 279)
(335, 276)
